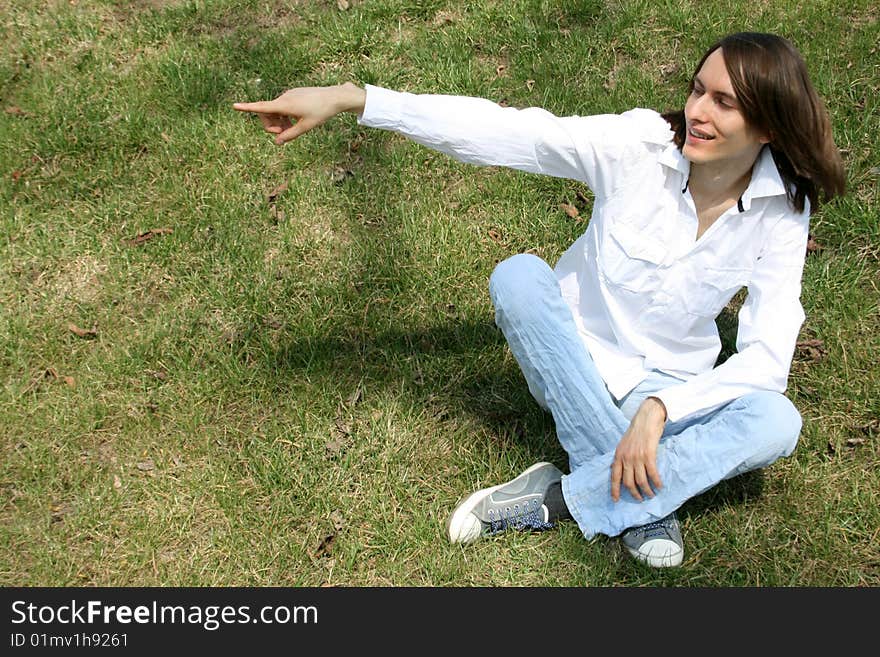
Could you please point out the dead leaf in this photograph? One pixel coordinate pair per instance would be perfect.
(808, 392)
(570, 210)
(342, 427)
(37, 381)
(83, 333)
(59, 511)
(145, 237)
(530, 84)
(278, 191)
(357, 142)
(146, 466)
(582, 197)
(813, 246)
(341, 433)
(811, 350)
(324, 546)
(338, 520)
(335, 446)
(495, 236)
(668, 69)
(869, 428)
(500, 70)
(117, 482)
(16, 175)
(272, 322)
(339, 174)
(49, 374)
(854, 442)
(343, 5)
(444, 17)
(15, 110)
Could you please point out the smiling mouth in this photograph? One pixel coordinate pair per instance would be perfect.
(693, 132)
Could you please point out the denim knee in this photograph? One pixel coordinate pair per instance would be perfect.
(519, 283)
(780, 421)
(771, 430)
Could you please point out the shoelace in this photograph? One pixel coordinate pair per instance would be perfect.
(658, 527)
(529, 516)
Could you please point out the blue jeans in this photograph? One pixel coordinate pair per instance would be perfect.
(693, 455)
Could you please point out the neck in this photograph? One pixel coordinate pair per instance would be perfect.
(721, 179)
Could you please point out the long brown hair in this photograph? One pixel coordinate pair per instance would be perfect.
(777, 98)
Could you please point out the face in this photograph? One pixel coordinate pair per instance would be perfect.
(717, 131)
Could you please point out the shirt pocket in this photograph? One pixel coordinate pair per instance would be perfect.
(629, 259)
(713, 289)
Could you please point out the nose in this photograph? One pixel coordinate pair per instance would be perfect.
(698, 107)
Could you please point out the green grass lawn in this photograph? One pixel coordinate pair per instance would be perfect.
(283, 368)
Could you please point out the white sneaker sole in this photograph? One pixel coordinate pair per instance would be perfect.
(463, 526)
(659, 554)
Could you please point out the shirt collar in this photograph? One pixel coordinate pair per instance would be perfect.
(765, 181)
(672, 157)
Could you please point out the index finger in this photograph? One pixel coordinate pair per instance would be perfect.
(261, 107)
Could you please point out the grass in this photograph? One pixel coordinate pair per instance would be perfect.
(296, 390)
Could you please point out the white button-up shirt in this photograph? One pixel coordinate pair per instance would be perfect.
(643, 290)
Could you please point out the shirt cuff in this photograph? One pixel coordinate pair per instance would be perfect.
(381, 108)
(681, 401)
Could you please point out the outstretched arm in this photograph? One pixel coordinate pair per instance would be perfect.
(297, 111)
(593, 149)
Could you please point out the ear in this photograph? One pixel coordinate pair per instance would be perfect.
(765, 137)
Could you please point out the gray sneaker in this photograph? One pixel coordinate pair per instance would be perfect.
(658, 543)
(518, 504)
